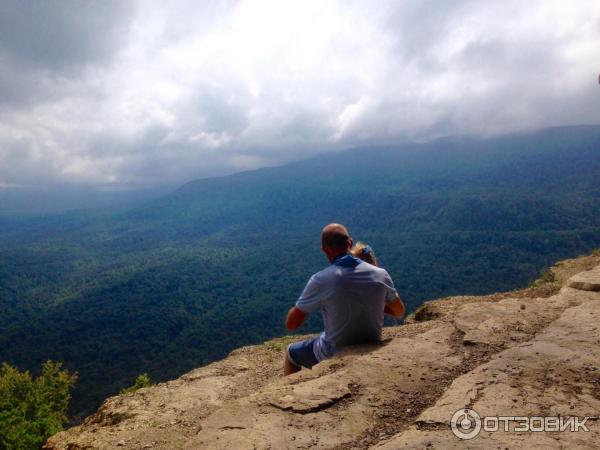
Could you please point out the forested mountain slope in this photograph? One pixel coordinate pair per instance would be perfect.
(183, 280)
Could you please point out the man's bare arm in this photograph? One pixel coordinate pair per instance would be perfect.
(294, 319)
(395, 309)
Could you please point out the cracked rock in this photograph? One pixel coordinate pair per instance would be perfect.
(313, 395)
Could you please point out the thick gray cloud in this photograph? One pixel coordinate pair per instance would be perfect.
(57, 35)
(150, 93)
(44, 45)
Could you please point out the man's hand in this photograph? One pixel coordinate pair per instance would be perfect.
(294, 319)
(395, 309)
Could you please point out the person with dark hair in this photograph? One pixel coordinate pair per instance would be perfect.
(353, 297)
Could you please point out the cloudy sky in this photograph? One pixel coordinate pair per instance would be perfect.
(133, 94)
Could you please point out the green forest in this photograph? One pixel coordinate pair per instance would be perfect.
(183, 280)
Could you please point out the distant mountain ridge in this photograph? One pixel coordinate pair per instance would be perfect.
(182, 280)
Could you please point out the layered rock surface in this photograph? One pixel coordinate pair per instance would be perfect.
(533, 352)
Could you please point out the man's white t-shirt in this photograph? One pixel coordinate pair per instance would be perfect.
(351, 295)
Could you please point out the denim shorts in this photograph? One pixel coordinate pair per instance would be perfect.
(302, 354)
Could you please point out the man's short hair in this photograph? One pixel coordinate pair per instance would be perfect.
(335, 236)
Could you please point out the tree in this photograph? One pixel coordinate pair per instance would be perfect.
(32, 410)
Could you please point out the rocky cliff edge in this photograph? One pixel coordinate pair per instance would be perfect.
(533, 352)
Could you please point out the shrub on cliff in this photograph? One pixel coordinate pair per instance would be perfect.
(142, 381)
(32, 409)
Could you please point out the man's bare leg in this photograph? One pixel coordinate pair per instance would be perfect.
(289, 367)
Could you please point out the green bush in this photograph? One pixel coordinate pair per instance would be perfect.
(32, 410)
(142, 381)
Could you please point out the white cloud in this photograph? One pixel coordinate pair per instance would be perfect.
(176, 91)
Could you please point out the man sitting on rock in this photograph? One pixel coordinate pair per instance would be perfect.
(353, 296)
